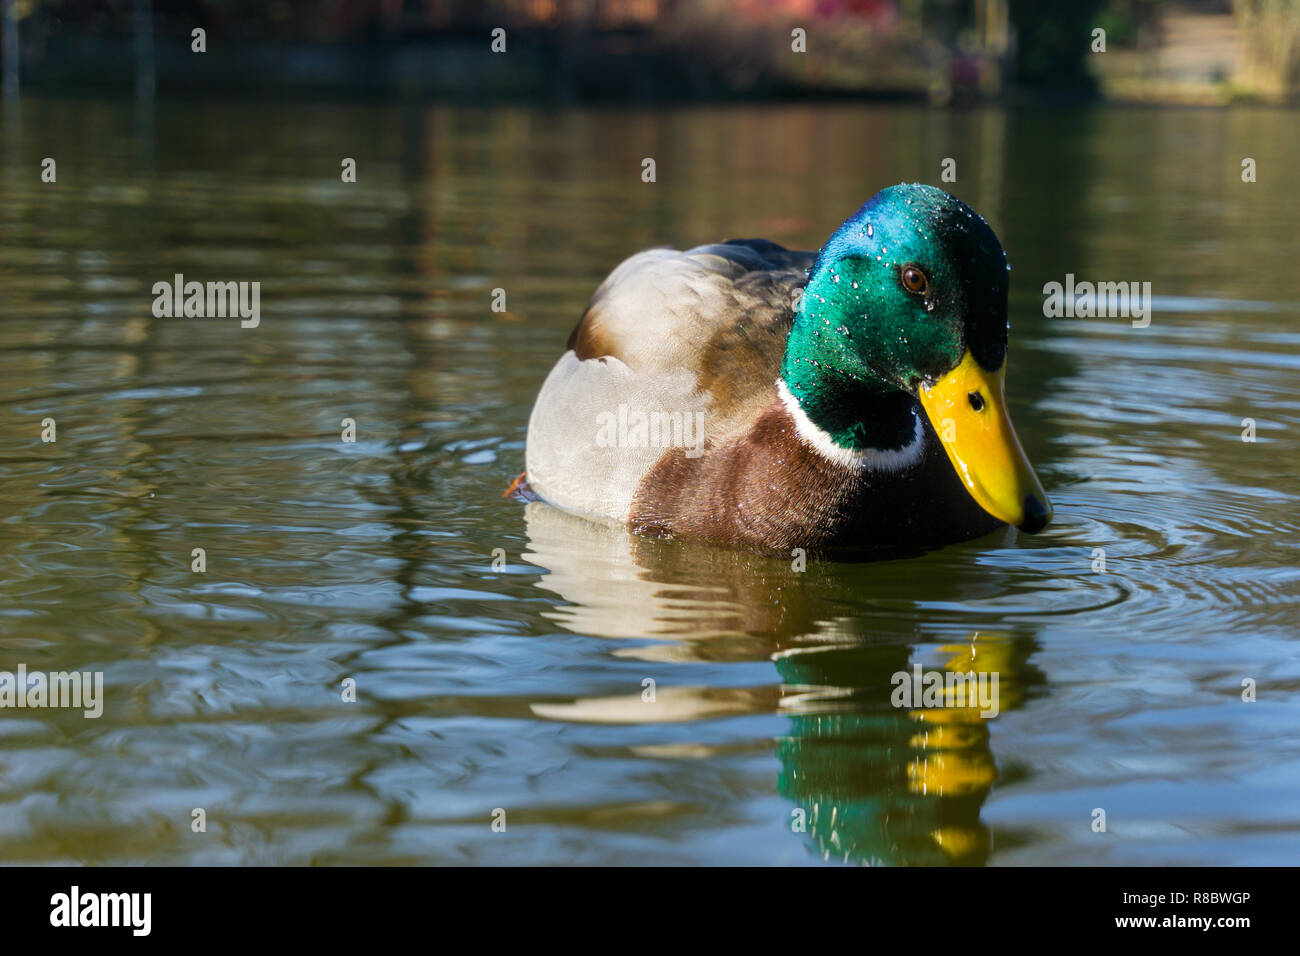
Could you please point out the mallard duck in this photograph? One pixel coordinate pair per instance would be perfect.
(773, 399)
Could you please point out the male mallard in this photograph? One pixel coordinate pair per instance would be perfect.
(710, 393)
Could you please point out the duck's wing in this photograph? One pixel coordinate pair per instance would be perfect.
(699, 334)
(721, 311)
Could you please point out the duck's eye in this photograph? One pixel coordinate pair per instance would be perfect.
(914, 280)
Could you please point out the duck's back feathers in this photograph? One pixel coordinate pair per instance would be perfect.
(696, 336)
(721, 311)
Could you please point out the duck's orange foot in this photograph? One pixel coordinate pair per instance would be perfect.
(519, 488)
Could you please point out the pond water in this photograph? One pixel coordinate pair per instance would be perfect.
(517, 684)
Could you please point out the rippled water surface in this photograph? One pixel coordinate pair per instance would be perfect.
(519, 687)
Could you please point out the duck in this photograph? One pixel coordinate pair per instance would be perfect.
(773, 399)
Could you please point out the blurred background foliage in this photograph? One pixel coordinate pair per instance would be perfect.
(589, 50)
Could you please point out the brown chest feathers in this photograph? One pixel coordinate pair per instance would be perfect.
(767, 490)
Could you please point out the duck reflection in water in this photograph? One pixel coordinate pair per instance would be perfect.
(869, 782)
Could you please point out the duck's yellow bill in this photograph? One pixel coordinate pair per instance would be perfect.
(969, 413)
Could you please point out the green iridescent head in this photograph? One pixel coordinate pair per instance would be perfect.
(904, 315)
(900, 291)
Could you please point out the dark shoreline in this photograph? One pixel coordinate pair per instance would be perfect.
(541, 66)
